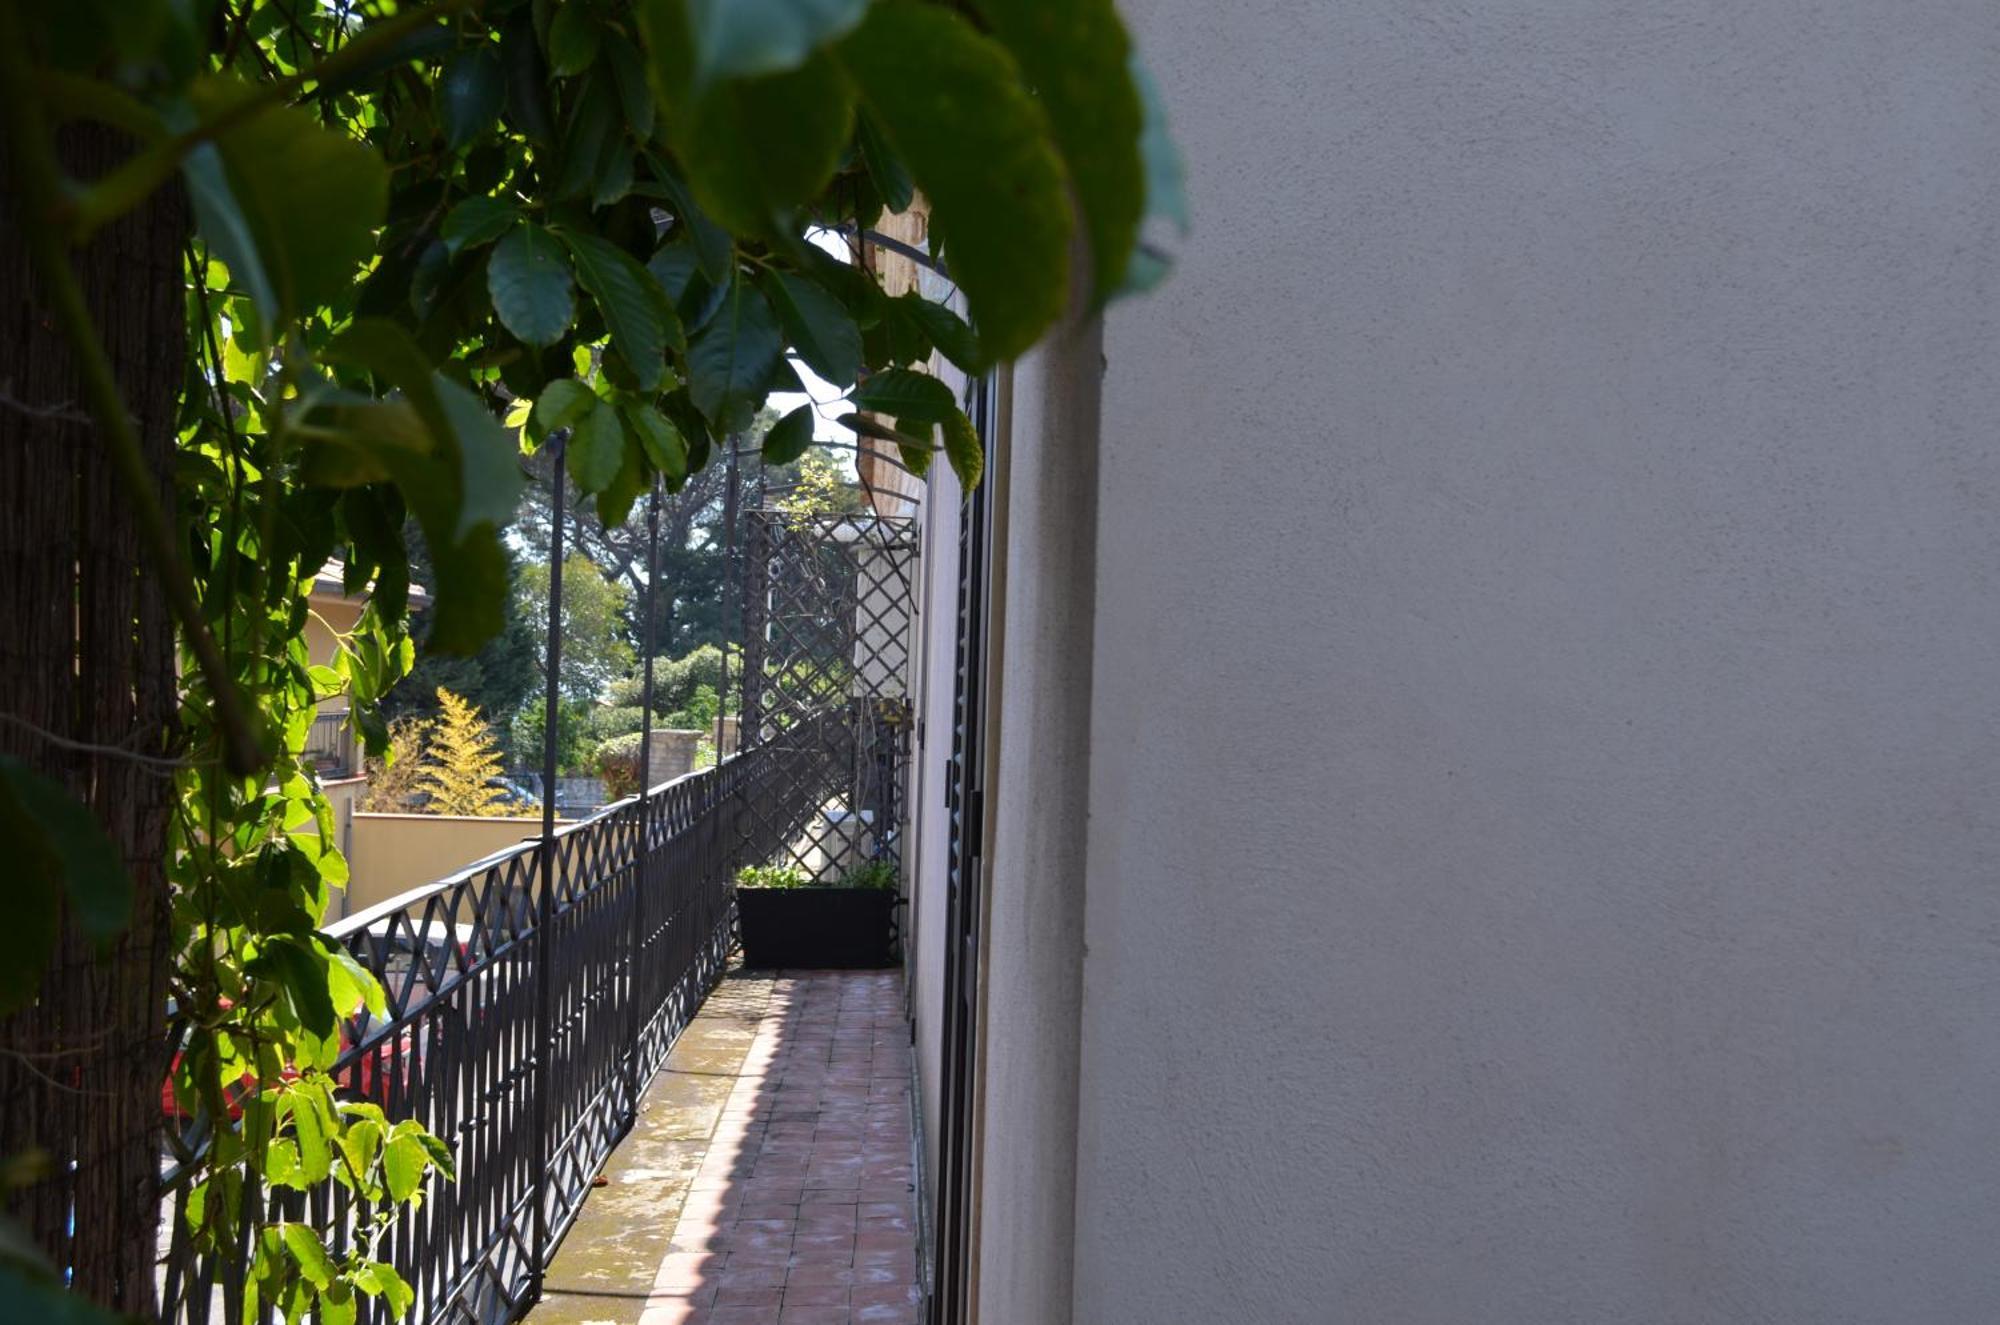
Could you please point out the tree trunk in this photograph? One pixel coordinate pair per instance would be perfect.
(87, 657)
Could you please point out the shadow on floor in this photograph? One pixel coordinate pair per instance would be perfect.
(768, 1180)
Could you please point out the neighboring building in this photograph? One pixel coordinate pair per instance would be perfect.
(1477, 705)
(331, 746)
(387, 854)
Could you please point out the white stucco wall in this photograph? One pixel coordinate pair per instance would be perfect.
(1544, 858)
(927, 859)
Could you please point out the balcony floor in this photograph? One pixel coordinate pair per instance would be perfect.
(767, 1180)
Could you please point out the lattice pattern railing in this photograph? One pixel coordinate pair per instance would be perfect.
(640, 923)
(829, 610)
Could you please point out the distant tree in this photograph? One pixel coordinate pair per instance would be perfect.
(497, 679)
(699, 713)
(573, 739)
(393, 779)
(675, 680)
(462, 761)
(820, 484)
(594, 648)
(617, 762)
(693, 551)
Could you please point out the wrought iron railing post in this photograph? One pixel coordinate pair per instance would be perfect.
(641, 865)
(545, 903)
(731, 574)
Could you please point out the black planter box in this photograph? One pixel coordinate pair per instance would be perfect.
(817, 928)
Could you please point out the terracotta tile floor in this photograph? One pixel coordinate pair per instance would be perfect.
(801, 1210)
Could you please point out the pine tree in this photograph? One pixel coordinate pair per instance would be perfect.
(393, 782)
(462, 762)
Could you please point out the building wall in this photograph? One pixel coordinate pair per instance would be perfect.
(393, 853)
(1038, 781)
(926, 860)
(1542, 786)
(345, 796)
(331, 613)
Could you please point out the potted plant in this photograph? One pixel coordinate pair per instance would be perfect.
(789, 919)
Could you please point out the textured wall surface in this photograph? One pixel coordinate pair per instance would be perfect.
(927, 859)
(393, 853)
(1038, 729)
(1544, 813)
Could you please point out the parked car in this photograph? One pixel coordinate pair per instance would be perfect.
(391, 1060)
(514, 794)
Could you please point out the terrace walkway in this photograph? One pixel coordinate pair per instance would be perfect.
(767, 1180)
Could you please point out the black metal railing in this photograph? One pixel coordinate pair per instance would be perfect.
(330, 746)
(478, 1048)
(829, 613)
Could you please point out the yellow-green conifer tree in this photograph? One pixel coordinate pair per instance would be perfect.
(462, 762)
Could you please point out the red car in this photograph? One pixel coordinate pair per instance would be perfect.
(390, 1062)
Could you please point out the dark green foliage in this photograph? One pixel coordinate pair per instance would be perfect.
(676, 681)
(772, 876)
(609, 720)
(498, 678)
(875, 874)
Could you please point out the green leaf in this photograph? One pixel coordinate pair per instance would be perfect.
(789, 437)
(614, 503)
(61, 850)
(281, 1165)
(614, 174)
(421, 44)
(1077, 59)
(470, 93)
(35, 1293)
(754, 149)
(372, 996)
(489, 467)
(312, 196)
(962, 448)
(379, 1280)
(573, 39)
(677, 267)
(596, 448)
(628, 75)
(819, 328)
(223, 224)
(729, 362)
(951, 103)
(529, 280)
(337, 1305)
(92, 872)
(310, 1253)
(906, 395)
(715, 252)
(438, 1150)
(309, 1126)
(527, 80)
(745, 38)
(916, 456)
(885, 169)
(562, 403)
(477, 221)
(34, 918)
(359, 1144)
(944, 329)
(661, 441)
(590, 138)
(403, 1164)
(486, 472)
(635, 309)
(301, 972)
(1166, 187)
